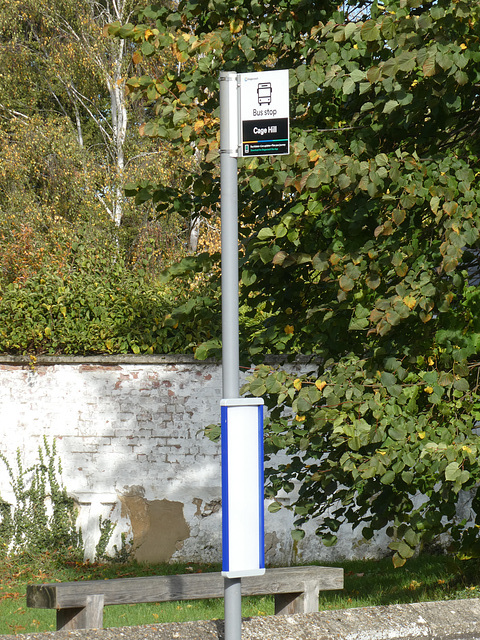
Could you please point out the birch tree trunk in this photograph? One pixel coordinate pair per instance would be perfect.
(193, 234)
(113, 66)
(116, 88)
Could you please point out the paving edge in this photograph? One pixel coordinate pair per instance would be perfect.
(444, 620)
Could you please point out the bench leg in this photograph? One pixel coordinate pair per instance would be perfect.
(305, 602)
(287, 603)
(88, 617)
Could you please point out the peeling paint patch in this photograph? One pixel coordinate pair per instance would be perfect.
(198, 503)
(272, 542)
(158, 526)
(209, 509)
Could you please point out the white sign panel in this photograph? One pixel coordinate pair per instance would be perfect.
(264, 113)
(242, 488)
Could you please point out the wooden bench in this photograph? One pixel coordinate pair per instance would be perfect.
(79, 605)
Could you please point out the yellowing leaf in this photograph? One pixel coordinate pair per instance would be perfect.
(467, 449)
(320, 384)
(148, 33)
(414, 584)
(463, 46)
(198, 126)
(431, 361)
(428, 389)
(297, 384)
(289, 329)
(421, 435)
(410, 302)
(236, 26)
(299, 418)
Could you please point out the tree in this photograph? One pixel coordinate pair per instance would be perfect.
(63, 43)
(45, 197)
(66, 148)
(360, 247)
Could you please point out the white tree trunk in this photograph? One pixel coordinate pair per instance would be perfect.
(79, 125)
(193, 234)
(116, 87)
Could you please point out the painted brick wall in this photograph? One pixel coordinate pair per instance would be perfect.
(129, 435)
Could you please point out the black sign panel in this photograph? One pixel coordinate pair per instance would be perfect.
(265, 137)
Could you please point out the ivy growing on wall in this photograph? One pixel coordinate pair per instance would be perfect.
(42, 515)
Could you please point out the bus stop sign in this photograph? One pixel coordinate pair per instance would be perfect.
(264, 113)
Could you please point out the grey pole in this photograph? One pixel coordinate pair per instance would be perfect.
(230, 326)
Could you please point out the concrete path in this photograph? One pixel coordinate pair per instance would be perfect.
(446, 620)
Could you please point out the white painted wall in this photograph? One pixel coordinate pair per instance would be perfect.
(133, 425)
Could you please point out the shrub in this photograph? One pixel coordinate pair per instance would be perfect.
(100, 305)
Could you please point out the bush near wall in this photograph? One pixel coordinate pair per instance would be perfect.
(99, 304)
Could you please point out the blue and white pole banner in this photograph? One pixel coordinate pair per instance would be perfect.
(243, 532)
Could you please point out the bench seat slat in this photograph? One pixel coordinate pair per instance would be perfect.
(178, 587)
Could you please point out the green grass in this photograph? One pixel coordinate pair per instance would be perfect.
(367, 583)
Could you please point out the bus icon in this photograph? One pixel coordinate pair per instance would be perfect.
(264, 93)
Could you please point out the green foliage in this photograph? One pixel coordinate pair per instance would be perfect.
(119, 556)
(43, 515)
(390, 447)
(107, 528)
(98, 304)
(360, 247)
(43, 173)
(364, 227)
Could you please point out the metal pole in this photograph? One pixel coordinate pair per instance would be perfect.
(230, 325)
(233, 608)
(229, 219)
(230, 328)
